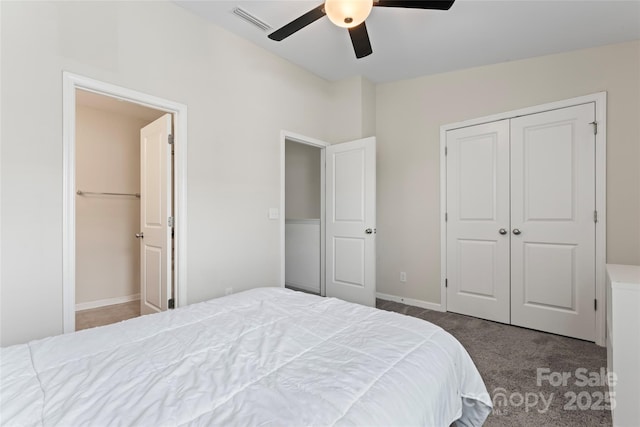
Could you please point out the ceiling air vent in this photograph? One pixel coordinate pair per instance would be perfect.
(251, 19)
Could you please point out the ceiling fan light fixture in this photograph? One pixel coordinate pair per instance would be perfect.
(348, 13)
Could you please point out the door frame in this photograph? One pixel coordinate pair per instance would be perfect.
(600, 101)
(71, 82)
(301, 139)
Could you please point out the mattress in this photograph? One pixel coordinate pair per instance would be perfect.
(269, 357)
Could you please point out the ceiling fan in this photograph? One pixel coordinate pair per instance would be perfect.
(351, 14)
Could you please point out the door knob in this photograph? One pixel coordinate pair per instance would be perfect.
(502, 231)
(370, 231)
(140, 235)
(516, 231)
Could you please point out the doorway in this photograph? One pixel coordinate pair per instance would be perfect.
(108, 194)
(347, 218)
(302, 213)
(173, 218)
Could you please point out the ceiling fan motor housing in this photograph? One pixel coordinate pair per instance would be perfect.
(348, 13)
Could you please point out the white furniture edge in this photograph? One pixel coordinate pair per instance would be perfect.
(600, 101)
(71, 82)
(625, 276)
(624, 288)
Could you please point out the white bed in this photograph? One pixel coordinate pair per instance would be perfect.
(268, 356)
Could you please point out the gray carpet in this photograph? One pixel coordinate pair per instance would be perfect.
(508, 358)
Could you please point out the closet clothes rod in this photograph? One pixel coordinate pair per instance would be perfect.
(94, 193)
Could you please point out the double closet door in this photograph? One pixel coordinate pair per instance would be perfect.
(520, 224)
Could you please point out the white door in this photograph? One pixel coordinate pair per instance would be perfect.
(155, 209)
(351, 221)
(552, 221)
(478, 221)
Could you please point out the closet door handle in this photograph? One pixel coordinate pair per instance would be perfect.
(140, 235)
(502, 231)
(516, 231)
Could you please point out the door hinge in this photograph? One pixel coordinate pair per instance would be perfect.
(595, 304)
(445, 150)
(446, 216)
(595, 216)
(170, 221)
(595, 127)
(170, 138)
(171, 303)
(446, 283)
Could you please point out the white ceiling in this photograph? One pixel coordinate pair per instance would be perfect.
(411, 42)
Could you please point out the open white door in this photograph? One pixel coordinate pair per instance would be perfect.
(351, 221)
(155, 210)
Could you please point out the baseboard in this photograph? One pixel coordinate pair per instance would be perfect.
(410, 301)
(104, 302)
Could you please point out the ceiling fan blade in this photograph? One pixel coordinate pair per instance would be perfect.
(416, 4)
(298, 24)
(360, 41)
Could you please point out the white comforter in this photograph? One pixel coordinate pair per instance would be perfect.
(263, 357)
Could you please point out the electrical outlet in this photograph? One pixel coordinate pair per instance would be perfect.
(228, 291)
(403, 277)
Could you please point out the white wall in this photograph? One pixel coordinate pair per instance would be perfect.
(302, 181)
(107, 160)
(409, 116)
(239, 98)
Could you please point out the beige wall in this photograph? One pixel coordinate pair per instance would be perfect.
(353, 110)
(409, 116)
(239, 98)
(107, 160)
(302, 181)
